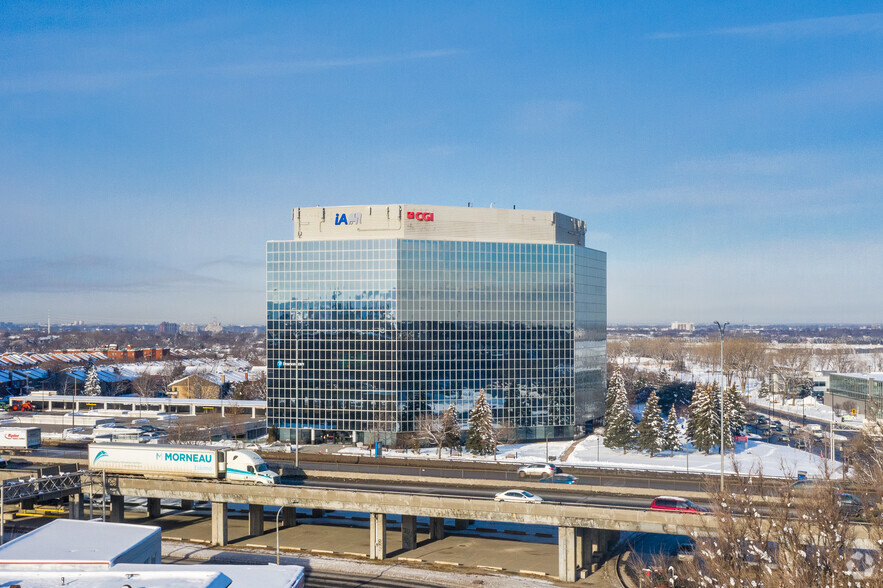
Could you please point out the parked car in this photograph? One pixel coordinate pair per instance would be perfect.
(676, 504)
(560, 479)
(517, 496)
(539, 469)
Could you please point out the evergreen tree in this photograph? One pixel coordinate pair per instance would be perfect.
(735, 410)
(616, 382)
(92, 387)
(482, 439)
(705, 417)
(703, 428)
(650, 429)
(619, 425)
(451, 429)
(671, 439)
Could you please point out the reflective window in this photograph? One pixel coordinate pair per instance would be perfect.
(372, 336)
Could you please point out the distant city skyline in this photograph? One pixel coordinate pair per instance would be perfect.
(727, 159)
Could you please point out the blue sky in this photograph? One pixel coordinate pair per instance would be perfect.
(727, 156)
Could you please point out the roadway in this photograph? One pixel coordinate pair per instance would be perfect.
(554, 494)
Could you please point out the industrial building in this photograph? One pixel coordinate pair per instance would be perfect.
(381, 316)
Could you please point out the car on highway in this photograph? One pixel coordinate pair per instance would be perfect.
(676, 504)
(849, 504)
(560, 479)
(517, 496)
(539, 469)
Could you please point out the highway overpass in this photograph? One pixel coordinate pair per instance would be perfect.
(585, 533)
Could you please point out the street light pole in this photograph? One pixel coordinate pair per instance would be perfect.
(279, 512)
(721, 328)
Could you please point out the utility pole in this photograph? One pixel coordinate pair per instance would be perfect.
(721, 329)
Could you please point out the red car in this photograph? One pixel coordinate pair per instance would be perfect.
(676, 504)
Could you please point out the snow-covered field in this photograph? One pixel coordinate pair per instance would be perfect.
(753, 456)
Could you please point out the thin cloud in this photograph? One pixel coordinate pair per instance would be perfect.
(829, 26)
(99, 81)
(282, 68)
(90, 274)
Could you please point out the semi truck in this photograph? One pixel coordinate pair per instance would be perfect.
(19, 437)
(181, 461)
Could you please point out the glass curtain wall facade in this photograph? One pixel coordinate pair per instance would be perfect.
(369, 337)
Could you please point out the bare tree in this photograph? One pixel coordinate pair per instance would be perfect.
(430, 430)
(617, 350)
(744, 355)
(762, 534)
(147, 385)
(254, 389)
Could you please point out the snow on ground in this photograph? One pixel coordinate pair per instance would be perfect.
(754, 455)
(798, 407)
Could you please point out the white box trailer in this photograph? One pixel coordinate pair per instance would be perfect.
(19, 437)
(181, 461)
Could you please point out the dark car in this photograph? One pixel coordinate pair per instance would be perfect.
(561, 479)
(849, 504)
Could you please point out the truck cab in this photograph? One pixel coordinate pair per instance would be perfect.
(247, 466)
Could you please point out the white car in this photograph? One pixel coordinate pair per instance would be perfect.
(538, 469)
(517, 496)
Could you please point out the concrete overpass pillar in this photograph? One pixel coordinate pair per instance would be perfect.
(255, 520)
(590, 547)
(117, 509)
(186, 504)
(436, 528)
(567, 554)
(219, 523)
(409, 532)
(580, 548)
(75, 506)
(378, 536)
(289, 516)
(154, 506)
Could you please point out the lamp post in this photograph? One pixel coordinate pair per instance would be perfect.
(279, 512)
(721, 328)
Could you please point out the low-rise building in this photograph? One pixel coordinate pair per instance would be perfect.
(206, 385)
(863, 392)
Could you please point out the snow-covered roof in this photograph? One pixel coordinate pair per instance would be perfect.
(105, 374)
(877, 376)
(242, 576)
(144, 577)
(95, 543)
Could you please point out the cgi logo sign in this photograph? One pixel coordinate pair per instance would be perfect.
(420, 216)
(355, 218)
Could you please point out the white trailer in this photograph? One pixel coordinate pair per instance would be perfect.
(181, 461)
(19, 437)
